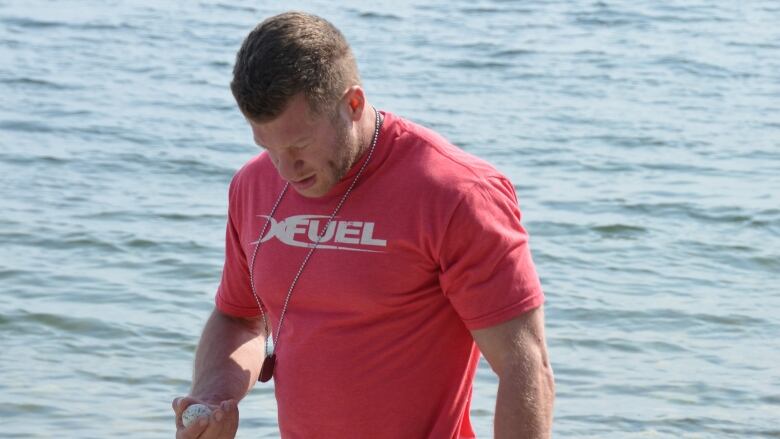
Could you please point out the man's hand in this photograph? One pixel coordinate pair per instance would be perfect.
(221, 424)
(227, 364)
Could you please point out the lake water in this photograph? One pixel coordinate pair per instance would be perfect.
(643, 139)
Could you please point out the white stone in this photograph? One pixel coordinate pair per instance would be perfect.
(194, 412)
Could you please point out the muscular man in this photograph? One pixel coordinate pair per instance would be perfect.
(368, 263)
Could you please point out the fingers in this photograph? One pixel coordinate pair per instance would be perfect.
(196, 430)
(179, 405)
(175, 404)
(230, 419)
(222, 423)
(207, 427)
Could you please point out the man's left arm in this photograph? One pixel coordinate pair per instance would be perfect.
(517, 352)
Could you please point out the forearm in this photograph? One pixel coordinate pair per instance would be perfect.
(228, 358)
(524, 404)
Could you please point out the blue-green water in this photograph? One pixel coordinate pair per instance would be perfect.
(643, 138)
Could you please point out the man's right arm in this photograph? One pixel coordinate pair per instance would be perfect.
(227, 365)
(228, 358)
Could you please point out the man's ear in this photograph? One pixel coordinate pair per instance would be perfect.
(355, 102)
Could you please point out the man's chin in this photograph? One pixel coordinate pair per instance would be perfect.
(308, 187)
(309, 194)
(315, 191)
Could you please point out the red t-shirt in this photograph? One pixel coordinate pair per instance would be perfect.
(376, 342)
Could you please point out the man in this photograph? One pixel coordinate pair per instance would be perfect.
(368, 263)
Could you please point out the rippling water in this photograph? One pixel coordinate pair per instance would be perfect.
(644, 140)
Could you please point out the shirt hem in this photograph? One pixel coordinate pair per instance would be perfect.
(506, 314)
(233, 310)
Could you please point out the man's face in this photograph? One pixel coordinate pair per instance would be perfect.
(312, 152)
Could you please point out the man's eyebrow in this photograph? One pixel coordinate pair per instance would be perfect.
(303, 140)
(298, 143)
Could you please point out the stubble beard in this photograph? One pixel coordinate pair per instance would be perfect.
(350, 149)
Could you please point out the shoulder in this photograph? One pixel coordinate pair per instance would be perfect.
(251, 175)
(434, 161)
(254, 168)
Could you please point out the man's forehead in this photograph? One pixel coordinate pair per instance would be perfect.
(294, 125)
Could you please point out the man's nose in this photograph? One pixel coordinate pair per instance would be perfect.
(289, 167)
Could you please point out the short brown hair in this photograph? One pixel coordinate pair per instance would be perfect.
(288, 54)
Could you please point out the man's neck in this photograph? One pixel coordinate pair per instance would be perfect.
(367, 128)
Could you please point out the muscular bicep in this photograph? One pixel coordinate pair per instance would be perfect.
(517, 343)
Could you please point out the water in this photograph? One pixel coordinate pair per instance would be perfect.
(643, 139)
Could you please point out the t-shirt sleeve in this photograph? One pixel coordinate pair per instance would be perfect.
(234, 295)
(487, 271)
